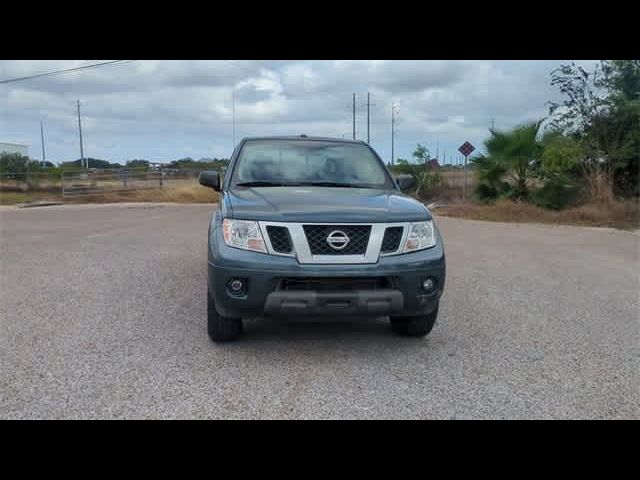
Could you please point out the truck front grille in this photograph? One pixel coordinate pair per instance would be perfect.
(391, 239)
(317, 238)
(334, 243)
(280, 239)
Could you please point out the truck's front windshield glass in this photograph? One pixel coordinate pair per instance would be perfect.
(309, 162)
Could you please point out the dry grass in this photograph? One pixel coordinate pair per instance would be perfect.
(13, 198)
(621, 214)
(183, 193)
(451, 188)
(455, 178)
(442, 193)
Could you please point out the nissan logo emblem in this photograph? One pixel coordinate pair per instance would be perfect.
(337, 240)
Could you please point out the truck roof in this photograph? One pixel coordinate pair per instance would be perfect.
(304, 137)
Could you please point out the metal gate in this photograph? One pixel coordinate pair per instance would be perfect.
(94, 182)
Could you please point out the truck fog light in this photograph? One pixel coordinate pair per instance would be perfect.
(236, 286)
(429, 284)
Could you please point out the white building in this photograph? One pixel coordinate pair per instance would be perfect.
(6, 147)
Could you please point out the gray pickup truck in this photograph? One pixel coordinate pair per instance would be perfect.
(309, 226)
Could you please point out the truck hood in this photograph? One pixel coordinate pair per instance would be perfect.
(324, 204)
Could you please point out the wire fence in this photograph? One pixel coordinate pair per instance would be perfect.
(30, 182)
(96, 181)
(91, 183)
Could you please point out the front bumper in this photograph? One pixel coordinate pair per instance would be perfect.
(357, 302)
(264, 273)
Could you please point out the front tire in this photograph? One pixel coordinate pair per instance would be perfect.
(418, 326)
(221, 329)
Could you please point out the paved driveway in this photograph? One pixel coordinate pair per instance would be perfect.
(102, 315)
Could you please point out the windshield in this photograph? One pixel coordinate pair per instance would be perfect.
(309, 162)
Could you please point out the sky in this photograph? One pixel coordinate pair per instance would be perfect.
(162, 110)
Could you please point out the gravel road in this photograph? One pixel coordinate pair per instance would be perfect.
(102, 315)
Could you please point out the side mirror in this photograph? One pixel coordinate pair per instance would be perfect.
(210, 179)
(405, 181)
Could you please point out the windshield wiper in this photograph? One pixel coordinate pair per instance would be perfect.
(334, 184)
(264, 183)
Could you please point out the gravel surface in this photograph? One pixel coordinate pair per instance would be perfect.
(102, 315)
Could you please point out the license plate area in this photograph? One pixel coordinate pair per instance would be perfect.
(357, 302)
(334, 284)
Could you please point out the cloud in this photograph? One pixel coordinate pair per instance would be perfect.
(169, 109)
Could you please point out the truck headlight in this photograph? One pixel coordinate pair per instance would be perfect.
(421, 236)
(243, 234)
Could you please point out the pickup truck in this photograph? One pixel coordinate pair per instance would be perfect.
(311, 226)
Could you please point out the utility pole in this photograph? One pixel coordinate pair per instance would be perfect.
(369, 105)
(368, 118)
(393, 129)
(493, 124)
(464, 189)
(80, 131)
(354, 116)
(233, 108)
(44, 159)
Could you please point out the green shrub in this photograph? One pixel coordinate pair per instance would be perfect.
(426, 180)
(486, 193)
(490, 192)
(557, 193)
(404, 167)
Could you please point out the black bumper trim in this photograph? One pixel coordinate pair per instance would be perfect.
(365, 302)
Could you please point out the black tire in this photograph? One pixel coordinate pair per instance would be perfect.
(414, 326)
(221, 329)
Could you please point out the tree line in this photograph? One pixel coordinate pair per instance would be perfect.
(20, 164)
(586, 149)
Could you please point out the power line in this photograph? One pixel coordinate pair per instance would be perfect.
(66, 70)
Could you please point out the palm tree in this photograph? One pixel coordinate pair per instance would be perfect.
(513, 156)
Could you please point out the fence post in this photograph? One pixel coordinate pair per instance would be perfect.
(62, 181)
(160, 176)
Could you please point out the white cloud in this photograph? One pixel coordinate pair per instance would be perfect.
(168, 109)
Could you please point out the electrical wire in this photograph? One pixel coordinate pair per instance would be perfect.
(65, 71)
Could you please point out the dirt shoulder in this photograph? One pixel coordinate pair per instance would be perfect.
(622, 215)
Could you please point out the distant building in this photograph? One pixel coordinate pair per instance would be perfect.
(6, 147)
